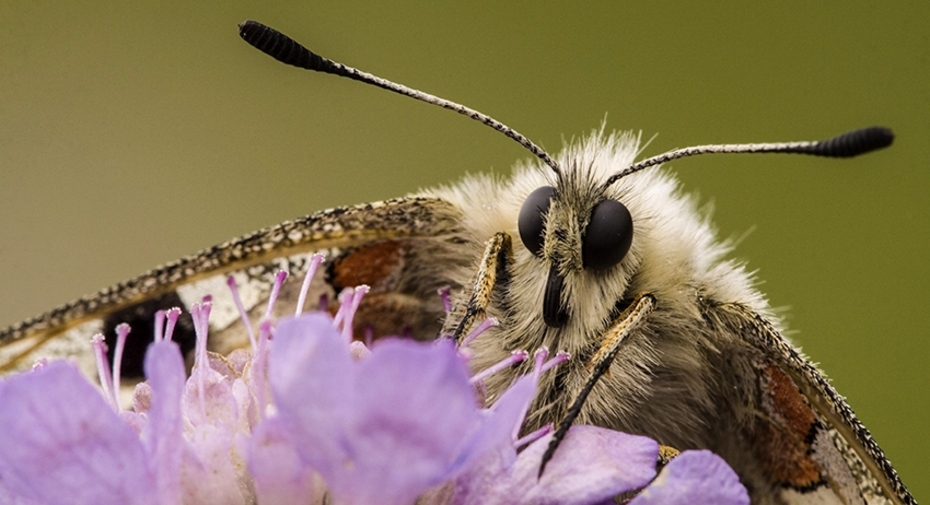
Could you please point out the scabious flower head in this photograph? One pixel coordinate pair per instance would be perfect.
(309, 416)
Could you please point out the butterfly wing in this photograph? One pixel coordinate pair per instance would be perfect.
(400, 247)
(806, 440)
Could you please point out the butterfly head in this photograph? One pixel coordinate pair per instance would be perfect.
(578, 234)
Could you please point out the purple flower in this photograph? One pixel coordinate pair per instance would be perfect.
(63, 443)
(592, 465)
(383, 429)
(694, 477)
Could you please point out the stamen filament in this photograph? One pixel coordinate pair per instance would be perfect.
(173, 314)
(485, 325)
(279, 277)
(559, 358)
(234, 290)
(534, 436)
(514, 358)
(345, 299)
(315, 261)
(159, 325)
(122, 332)
(103, 372)
(347, 325)
(445, 294)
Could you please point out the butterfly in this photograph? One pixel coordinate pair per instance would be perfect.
(614, 264)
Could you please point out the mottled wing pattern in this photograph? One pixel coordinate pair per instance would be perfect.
(394, 246)
(808, 441)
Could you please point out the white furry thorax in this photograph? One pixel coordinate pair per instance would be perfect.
(675, 255)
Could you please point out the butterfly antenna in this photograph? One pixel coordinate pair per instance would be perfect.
(846, 145)
(287, 50)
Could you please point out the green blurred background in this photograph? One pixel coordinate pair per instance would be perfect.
(132, 133)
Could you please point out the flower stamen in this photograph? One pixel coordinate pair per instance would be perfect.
(345, 300)
(172, 314)
(315, 261)
(122, 332)
(200, 314)
(532, 437)
(279, 277)
(559, 358)
(260, 365)
(539, 358)
(159, 325)
(514, 358)
(485, 325)
(234, 290)
(445, 294)
(103, 372)
(347, 325)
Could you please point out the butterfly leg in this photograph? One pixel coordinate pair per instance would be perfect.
(599, 363)
(493, 271)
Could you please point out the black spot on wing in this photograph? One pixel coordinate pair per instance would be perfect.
(141, 320)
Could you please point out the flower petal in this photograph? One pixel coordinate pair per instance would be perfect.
(216, 404)
(163, 435)
(311, 378)
(495, 432)
(211, 466)
(591, 465)
(695, 477)
(63, 443)
(280, 477)
(411, 408)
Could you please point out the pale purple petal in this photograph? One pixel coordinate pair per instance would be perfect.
(163, 435)
(134, 420)
(216, 402)
(211, 467)
(695, 477)
(489, 453)
(309, 373)
(8, 498)
(498, 425)
(385, 428)
(591, 465)
(405, 428)
(62, 443)
(486, 479)
(246, 406)
(280, 477)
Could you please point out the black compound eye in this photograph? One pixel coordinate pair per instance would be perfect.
(608, 236)
(532, 218)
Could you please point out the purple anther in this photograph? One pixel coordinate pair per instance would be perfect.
(173, 314)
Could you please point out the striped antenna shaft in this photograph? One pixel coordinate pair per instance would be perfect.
(847, 145)
(287, 50)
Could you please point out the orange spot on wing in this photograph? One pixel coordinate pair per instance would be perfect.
(784, 437)
(377, 264)
(387, 310)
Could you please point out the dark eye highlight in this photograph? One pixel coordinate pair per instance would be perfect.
(608, 235)
(532, 218)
